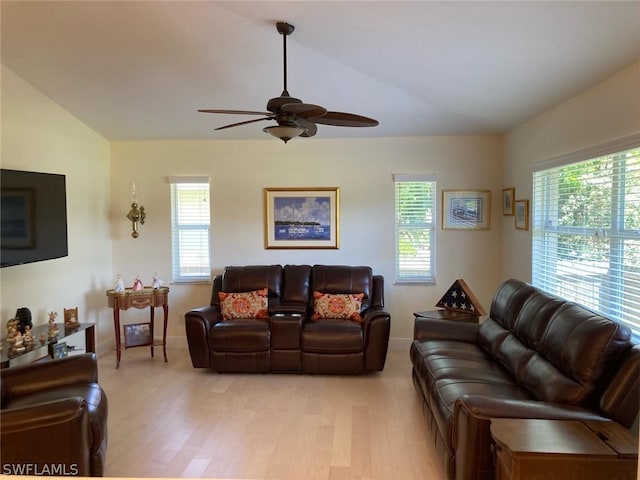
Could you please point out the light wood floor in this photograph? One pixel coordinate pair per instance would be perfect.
(171, 420)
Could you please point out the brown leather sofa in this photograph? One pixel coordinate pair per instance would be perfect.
(53, 419)
(290, 339)
(535, 356)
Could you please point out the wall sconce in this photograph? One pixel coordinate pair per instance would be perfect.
(136, 214)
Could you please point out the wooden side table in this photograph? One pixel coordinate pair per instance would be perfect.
(139, 334)
(563, 450)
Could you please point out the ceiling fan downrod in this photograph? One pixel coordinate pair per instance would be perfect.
(285, 29)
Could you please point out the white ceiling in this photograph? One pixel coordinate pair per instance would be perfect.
(140, 70)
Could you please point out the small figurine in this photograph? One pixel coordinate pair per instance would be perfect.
(156, 282)
(119, 286)
(12, 330)
(137, 284)
(43, 338)
(28, 336)
(53, 330)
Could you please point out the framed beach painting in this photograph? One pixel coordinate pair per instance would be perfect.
(302, 217)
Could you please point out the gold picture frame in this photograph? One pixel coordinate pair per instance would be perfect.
(508, 194)
(466, 209)
(302, 218)
(522, 214)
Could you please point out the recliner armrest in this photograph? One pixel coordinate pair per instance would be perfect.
(437, 329)
(26, 379)
(377, 325)
(197, 324)
(51, 438)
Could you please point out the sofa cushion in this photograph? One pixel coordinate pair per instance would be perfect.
(240, 336)
(253, 277)
(491, 335)
(332, 336)
(343, 279)
(576, 353)
(244, 304)
(508, 301)
(337, 305)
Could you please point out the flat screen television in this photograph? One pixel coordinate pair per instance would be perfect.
(33, 217)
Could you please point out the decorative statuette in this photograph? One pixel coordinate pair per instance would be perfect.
(156, 283)
(119, 286)
(53, 330)
(137, 284)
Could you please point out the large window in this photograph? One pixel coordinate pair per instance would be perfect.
(190, 222)
(586, 233)
(415, 228)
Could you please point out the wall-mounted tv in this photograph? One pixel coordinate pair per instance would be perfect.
(33, 217)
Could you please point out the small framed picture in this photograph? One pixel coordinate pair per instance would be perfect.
(137, 334)
(466, 209)
(522, 214)
(507, 201)
(59, 350)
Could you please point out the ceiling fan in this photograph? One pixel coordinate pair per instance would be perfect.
(293, 117)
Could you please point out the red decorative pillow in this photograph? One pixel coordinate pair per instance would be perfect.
(338, 305)
(244, 305)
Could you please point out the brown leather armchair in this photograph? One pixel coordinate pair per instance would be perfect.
(53, 418)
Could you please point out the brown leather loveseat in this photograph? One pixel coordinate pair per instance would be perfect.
(535, 356)
(296, 318)
(54, 418)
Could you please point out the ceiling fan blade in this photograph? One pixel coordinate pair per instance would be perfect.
(311, 128)
(243, 123)
(340, 119)
(304, 110)
(233, 112)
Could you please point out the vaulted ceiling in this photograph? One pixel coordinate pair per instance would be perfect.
(140, 70)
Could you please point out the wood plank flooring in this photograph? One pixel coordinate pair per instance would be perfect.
(171, 420)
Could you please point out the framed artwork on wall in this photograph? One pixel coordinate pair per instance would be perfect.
(522, 214)
(466, 209)
(302, 217)
(507, 201)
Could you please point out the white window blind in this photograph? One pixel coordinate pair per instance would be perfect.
(586, 233)
(190, 226)
(415, 228)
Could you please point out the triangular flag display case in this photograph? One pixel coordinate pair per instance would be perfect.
(460, 298)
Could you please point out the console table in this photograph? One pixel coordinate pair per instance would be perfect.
(8, 353)
(527, 449)
(139, 334)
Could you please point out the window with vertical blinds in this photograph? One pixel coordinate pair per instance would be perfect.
(190, 226)
(415, 228)
(586, 233)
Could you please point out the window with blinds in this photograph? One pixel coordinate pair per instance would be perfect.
(190, 222)
(586, 233)
(415, 228)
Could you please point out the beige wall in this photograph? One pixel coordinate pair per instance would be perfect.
(40, 136)
(605, 112)
(362, 169)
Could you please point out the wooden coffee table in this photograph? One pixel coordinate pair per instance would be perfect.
(563, 450)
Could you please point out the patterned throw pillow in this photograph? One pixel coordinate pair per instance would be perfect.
(340, 305)
(244, 305)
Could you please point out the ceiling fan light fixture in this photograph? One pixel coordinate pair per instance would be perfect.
(284, 132)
